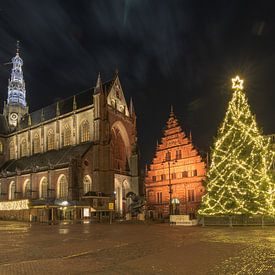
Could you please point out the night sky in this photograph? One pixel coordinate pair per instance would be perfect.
(180, 53)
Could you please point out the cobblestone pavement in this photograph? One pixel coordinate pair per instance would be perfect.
(134, 249)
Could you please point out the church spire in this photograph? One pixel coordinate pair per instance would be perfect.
(16, 87)
(132, 109)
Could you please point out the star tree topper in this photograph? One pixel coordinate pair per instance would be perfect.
(237, 83)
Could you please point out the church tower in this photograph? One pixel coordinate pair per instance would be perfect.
(16, 106)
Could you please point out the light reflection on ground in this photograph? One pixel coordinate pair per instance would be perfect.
(134, 249)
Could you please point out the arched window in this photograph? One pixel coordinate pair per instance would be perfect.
(62, 187)
(43, 188)
(12, 191)
(87, 184)
(12, 150)
(23, 147)
(36, 143)
(118, 151)
(27, 189)
(1, 147)
(67, 135)
(84, 131)
(50, 140)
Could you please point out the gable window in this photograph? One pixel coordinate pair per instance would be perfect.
(184, 174)
(194, 173)
(191, 195)
(159, 197)
(50, 140)
(84, 131)
(178, 154)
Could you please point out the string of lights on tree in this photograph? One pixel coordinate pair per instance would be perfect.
(239, 180)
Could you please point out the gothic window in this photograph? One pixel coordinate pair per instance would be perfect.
(27, 189)
(1, 147)
(178, 154)
(87, 184)
(118, 151)
(84, 131)
(43, 194)
(50, 140)
(12, 191)
(191, 195)
(63, 187)
(12, 150)
(67, 135)
(23, 148)
(36, 143)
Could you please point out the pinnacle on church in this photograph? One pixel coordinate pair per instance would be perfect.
(190, 136)
(57, 109)
(74, 103)
(172, 121)
(98, 88)
(132, 109)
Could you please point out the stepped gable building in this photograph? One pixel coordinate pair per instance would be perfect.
(174, 180)
(69, 160)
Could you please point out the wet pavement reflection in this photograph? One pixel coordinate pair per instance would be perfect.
(134, 249)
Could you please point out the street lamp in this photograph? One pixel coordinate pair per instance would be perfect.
(168, 159)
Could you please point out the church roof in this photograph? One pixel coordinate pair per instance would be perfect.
(4, 128)
(65, 106)
(42, 161)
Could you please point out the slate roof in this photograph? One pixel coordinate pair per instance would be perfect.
(41, 161)
(82, 100)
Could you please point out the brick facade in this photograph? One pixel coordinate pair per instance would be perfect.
(73, 155)
(174, 179)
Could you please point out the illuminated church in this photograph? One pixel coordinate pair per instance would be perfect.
(174, 179)
(71, 160)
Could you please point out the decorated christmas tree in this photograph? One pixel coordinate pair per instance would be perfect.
(239, 181)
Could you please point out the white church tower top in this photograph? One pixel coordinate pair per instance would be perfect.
(16, 106)
(16, 88)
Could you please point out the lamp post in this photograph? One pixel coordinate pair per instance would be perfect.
(170, 188)
(168, 159)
